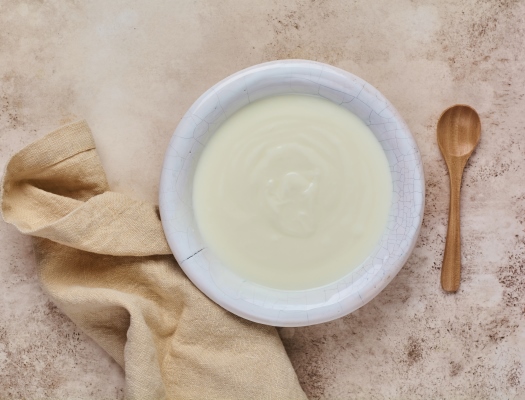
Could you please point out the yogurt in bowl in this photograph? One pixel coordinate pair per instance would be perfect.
(292, 193)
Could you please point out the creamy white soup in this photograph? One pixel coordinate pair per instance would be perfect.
(292, 192)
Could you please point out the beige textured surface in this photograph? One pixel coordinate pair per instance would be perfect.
(132, 69)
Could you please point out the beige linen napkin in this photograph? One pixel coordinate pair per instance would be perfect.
(103, 259)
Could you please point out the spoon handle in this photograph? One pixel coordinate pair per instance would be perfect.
(451, 269)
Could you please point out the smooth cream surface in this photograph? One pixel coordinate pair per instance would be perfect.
(292, 192)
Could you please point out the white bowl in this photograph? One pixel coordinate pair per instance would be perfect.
(281, 307)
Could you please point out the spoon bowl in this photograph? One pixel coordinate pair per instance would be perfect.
(458, 131)
(458, 134)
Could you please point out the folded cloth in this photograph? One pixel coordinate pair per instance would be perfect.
(104, 261)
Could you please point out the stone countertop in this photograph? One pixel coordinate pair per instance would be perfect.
(133, 68)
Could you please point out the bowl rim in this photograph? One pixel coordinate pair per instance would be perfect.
(191, 260)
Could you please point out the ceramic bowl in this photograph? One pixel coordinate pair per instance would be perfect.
(281, 307)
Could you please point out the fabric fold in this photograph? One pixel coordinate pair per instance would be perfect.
(103, 259)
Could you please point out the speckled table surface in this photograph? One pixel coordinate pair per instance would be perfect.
(132, 69)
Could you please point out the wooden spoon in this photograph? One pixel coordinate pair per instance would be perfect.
(458, 133)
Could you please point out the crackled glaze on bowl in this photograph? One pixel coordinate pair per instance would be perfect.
(280, 307)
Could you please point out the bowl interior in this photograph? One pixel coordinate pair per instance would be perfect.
(268, 305)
